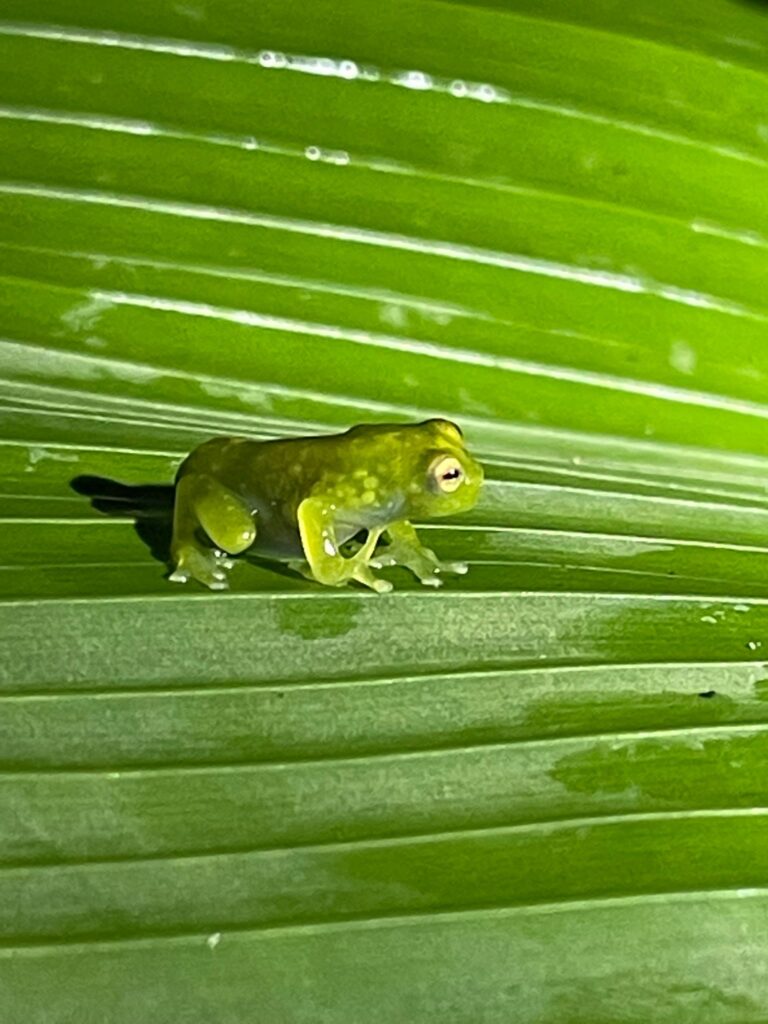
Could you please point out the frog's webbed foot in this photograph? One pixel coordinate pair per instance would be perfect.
(405, 549)
(204, 504)
(361, 573)
(206, 565)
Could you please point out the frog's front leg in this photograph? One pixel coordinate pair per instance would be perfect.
(406, 549)
(326, 563)
(202, 502)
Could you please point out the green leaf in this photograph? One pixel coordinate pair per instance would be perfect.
(538, 795)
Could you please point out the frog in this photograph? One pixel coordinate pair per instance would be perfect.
(321, 504)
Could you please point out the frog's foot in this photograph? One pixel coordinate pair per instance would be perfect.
(405, 549)
(430, 570)
(455, 568)
(425, 570)
(207, 566)
(363, 574)
(359, 572)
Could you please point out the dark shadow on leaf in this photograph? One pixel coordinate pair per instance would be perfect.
(150, 505)
(272, 565)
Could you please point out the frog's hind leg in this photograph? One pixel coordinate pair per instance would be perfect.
(203, 503)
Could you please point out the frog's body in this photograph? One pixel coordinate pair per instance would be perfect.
(299, 500)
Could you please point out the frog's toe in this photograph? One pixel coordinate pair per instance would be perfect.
(431, 581)
(203, 566)
(213, 576)
(362, 574)
(382, 562)
(458, 568)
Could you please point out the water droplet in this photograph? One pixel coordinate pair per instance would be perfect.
(272, 59)
(339, 157)
(441, 319)
(417, 80)
(682, 357)
(393, 315)
(84, 315)
(348, 69)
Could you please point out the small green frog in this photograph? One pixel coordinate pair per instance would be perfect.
(300, 500)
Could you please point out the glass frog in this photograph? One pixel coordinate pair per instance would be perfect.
(303, 499)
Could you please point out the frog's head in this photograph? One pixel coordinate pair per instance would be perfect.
(447, 479)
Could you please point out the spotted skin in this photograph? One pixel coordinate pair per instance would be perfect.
(303, 499)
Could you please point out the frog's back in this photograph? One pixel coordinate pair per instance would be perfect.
(241, 462)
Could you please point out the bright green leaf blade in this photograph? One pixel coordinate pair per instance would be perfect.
(536, 795)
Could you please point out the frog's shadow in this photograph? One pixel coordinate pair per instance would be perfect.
(149, 505)
(151, 508)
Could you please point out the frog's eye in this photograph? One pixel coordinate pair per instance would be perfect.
(446, 473)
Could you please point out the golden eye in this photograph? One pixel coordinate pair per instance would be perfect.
(447, 474)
